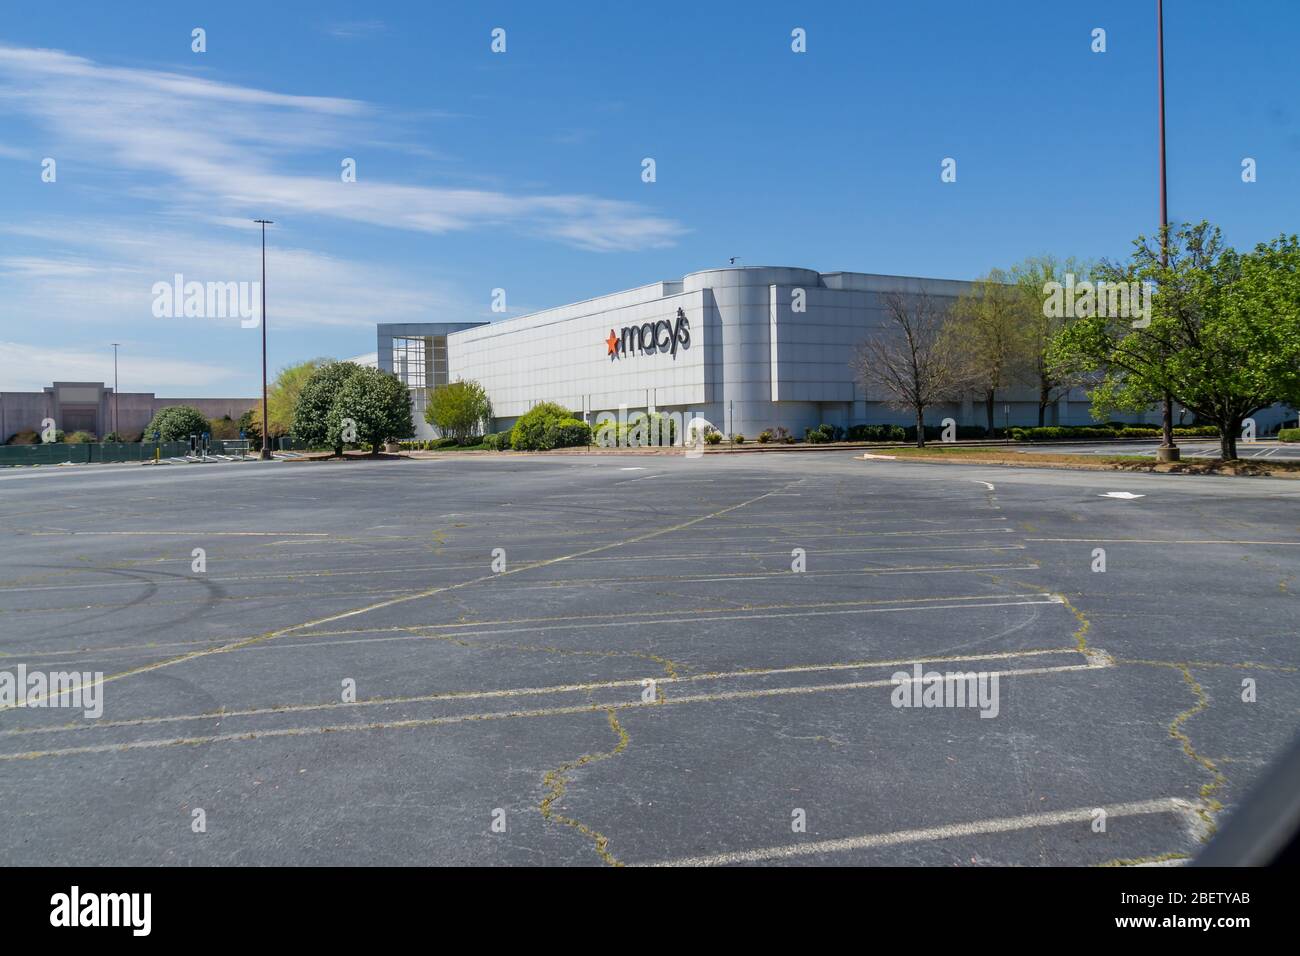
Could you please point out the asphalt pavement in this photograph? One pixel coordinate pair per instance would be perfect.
(597, 660)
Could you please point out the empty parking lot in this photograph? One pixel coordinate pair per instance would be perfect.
(639, 660)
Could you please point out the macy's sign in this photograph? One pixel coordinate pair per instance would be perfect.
(661, 336)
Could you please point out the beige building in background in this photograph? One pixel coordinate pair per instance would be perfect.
(90, 407)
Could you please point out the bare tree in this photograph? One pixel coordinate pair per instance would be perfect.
(907, 357)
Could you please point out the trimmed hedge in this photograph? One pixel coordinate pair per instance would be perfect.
(935, 432)
(1077, 432)
(1289, 434)
(498, 441)
(877, 433)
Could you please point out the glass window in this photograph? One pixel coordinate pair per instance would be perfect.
(410, 358)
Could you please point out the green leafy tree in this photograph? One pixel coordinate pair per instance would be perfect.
(378, 403)
(282, 396)
(1223, 338)
(316, 398)
(223, 429)
(250, 430)
(460, 410)
(176, 423)
(985, 336)
(1038, 327)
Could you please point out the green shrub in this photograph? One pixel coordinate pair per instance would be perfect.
(572, 432)
(546, 426)
(713, 437)
(764, 437)
(935, 432)
(1289, 434)
(665, 427)
(932, 433)
(498, 441)
(32, 438)
(653, 430)
(80, 438)
(1108, 430)
(815, 436)
(738, 439)
(877, 433)
(177, 423)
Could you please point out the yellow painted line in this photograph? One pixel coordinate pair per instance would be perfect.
(638, 617)
(306, 642)
(535, 691)
(731, 576)
(561, 583)
(504, 715)
(355, 572)
(946, 832)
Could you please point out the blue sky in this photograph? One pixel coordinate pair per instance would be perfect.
(522, 170)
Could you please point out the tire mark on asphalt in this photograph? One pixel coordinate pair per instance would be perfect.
(418, 595)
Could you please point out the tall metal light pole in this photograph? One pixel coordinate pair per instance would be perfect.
(266, 421)
(1167, 451)
(115, 432)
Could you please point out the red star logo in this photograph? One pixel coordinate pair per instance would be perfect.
(612, 342)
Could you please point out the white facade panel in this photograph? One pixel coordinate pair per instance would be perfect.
(751, 363)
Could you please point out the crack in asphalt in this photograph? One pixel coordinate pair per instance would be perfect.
(556, 782)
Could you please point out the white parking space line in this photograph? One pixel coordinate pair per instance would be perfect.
(947, 832)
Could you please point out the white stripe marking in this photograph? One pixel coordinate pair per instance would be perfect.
(946, 832)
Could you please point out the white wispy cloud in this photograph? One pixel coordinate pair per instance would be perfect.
(355, 29)
(104, 273)
(223, 148)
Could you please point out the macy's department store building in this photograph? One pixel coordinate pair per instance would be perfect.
(728, 345)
